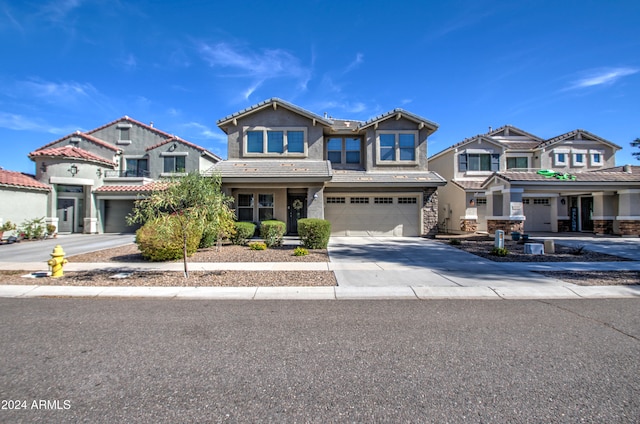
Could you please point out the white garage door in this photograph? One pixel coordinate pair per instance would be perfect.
(538, 214)
(380, 215)
(115, 213)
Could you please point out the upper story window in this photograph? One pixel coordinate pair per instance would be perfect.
(136, 168)
(124, 133)
(397, 146)
(174, 164)
(596, 158)
(262, 141)
(561, 159)
(578, 159)
(489, 162)
(344, 150)
(518, 163)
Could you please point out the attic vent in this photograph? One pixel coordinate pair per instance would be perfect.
(74, 140)
(240, 164)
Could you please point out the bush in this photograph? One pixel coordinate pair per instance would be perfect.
(300, 251)
(33, 228)
(160, 239)
(272, 232)
(244, 231)
(499, 251)
(51, 229)
(455, 242)
(209, 237)
(8, 226)
(257, 245)
(314, 233)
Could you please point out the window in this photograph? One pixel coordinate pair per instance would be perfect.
(344, 150)
(125, 134)
(265, 207)
(596, 158)
(397, 146)
(478, 162)
(383, 200)
(407, 200)
(517, 163)
(561, 159)
(275, 141)
(336, 200)
(359, 200)
(174, 164)
(481, 201)
(578, 159)
(245, 207)
(137, 168)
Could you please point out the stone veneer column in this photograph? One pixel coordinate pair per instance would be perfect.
(430, 212)
(602, 224)
(626, 222)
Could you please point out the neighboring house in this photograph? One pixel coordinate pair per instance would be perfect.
(21, 189)
(494, 184)
(94, 177)
(367, 178)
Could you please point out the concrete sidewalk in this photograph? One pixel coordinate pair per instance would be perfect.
(377, 280)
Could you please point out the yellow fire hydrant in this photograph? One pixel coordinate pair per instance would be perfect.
(57, 261)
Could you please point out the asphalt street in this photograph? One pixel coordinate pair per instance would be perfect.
(106, 361)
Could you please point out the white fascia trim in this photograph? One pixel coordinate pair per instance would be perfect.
(628, 218)
(174, 154)
(71, 181)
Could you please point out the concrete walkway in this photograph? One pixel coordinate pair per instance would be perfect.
(365, 268)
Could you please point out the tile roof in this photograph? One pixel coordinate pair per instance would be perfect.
(469, 185)
(86, 136)
(133, 121)
(264, 168)
(510, 128)
(146, 188)
(18, 179)
(185, 142)
(590, 177)
(397, 178)
(401, 112)
(574, 133)
(274, 101)
(70, 152)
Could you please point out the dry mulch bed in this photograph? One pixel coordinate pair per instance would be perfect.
(596, 278)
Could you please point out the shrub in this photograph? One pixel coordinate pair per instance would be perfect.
(51, 229)
(160, 239)
(455, 242)
(272, 232)
(499, 251)
(300, 251)
(209, 237)
(314, 233)
(8, 226)
(258, 245)
(244, 231)
(33, 228)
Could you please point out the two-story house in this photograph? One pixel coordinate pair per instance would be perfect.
(497, 180)
(95, 176)
(367, 178)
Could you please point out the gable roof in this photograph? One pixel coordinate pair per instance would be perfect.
(177, 139)
(397, 114)
(70, 152)
(511, 131)
(576, 133)
(590, 177)
(132, 121)
(18, 179)
(86, 136)
(275, 103)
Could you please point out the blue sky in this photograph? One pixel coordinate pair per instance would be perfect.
(547, 67)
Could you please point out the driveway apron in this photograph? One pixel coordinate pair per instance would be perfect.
(413, 261)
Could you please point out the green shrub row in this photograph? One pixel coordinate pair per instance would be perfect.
(314, 233)
(272, 232)
(244, 231)
(160, 239)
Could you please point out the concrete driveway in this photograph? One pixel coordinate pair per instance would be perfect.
(418, 262)
(73, 244)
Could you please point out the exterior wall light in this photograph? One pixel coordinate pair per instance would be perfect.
(73, 169)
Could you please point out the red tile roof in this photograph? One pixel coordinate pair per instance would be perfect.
(178, 140)
(146, 188)
(18, 179)
(70, 152)
(87, 137)
(133, 121)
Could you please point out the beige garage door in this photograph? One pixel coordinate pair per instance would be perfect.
(115, 213)
(538, 214)
(380, 215)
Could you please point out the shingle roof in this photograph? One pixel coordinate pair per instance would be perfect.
(146, 188)
(399, 178)
(469, 185)
(401, 112)
(573, 133)
(492, 133)
(18, 179)
(87, 137)
(264, 169)
(70, 152)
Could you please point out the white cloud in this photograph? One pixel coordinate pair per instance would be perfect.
(359, 59)
(257, 66)
(606, 76)
(205, 132)
(17, 122)
(63, 92)
(58, 10)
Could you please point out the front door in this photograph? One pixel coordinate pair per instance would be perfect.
(586, 213)
(66, 216)
(297, 209)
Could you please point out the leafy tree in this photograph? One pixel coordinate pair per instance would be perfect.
(636, 143)
(191, 199)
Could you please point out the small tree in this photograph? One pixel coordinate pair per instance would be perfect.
(192, 198)
(636, 143)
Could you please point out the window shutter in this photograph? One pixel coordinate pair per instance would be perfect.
(462, 162)
(495, 162)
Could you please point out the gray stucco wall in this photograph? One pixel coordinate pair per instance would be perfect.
(392, 124)
(17, 205)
